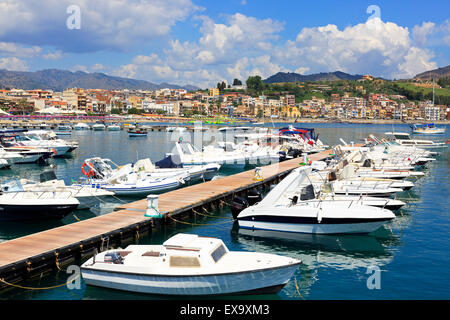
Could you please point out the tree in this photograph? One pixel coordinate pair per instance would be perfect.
(134, 111)
(237, 82)
(255, 84)
(116, 111)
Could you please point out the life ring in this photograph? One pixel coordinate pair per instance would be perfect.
(90, 173)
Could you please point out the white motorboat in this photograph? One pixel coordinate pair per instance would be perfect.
(404, 139)
(30, 205)
(137, 131)
(127, 180)
(81, 126)
(99, 127)
(236, 157)
(427, 129)
(189, 265)
(29, 154)
(8, 158)
(176, 129)
(63, 130)
(281, 210)
(38, 139)
(113, 127)
(189, 155)
(88, 196)
(168, 167)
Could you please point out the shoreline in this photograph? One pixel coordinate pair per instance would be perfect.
(262, 122)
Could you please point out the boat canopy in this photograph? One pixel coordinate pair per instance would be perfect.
(171, 161)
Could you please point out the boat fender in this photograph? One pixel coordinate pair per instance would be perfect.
(319, 216)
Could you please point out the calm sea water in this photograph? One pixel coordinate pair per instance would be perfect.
(412, 252)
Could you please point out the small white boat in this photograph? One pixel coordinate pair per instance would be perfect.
(137, 132)
(81, 126)
(41, 205)
(404, 139)
(130, 180)
(113, 127)
(88, 196)
(427, 129)
(176, 129)
(189, 265)
(99, 127)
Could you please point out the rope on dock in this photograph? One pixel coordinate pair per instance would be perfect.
(197, 224)
(209, 215)
(35, 288)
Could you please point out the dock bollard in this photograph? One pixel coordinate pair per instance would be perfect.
(258, 174)
(152, 207)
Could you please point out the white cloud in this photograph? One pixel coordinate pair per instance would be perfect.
(420, 33)
(301, 70)
(375, 47)
(17, 50)
(114, 24)
(13, 64)
(53, 55)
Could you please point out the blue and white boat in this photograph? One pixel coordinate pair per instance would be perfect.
(141, 178)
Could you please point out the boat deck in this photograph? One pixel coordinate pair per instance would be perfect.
(23, 252)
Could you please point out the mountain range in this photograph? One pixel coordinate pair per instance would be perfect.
(60, 80)
(323, 76)
(443, 72)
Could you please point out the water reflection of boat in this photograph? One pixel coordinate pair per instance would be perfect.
(342, 245)
(318, 252)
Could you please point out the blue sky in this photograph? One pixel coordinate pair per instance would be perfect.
(203, 42)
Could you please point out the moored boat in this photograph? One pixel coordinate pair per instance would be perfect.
(189, 265)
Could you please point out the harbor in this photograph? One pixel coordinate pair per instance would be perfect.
(202, 207)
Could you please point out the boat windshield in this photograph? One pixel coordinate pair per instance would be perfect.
(218, 253)
(402, 137)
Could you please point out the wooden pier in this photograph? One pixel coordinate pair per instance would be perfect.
(44, 251)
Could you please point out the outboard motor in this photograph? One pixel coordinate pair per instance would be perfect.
(238, 205)
(281, 156)
(295, 153)
(113, 257)
(253, 196)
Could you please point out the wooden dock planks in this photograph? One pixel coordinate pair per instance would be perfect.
(45, 242)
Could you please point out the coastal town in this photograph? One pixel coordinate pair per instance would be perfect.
(352, 100)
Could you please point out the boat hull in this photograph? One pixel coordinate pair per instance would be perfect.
(20, 212)
(138, 191)
(270, 280)
(310, 225)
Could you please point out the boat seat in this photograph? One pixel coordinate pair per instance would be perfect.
(150, 254)
(124, 253)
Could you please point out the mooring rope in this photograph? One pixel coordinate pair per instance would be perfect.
(210, 216)
(35, 288)
(197, 224)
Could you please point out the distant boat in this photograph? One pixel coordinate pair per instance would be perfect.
(137, 132)
(81, 126)
(99, 127)
(63, 130)
(427, 129)
(113, 127)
